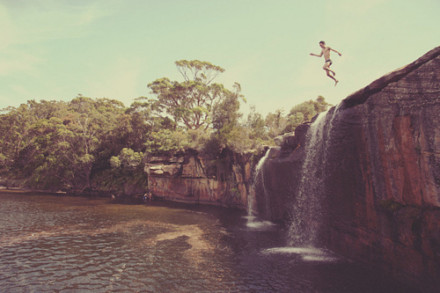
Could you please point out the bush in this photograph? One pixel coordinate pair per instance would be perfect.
(167, 141)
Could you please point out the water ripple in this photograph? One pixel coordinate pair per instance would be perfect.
(51, 244)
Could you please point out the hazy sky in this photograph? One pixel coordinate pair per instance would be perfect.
(57, 49)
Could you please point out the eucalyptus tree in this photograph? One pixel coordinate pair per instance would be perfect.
(192, 101)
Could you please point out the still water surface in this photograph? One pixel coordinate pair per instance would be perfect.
(70, 244)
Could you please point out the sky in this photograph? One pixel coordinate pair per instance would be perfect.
(58, 49)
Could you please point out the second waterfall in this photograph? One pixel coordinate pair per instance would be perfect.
(308, 210)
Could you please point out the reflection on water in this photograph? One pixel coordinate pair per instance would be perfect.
(52, 244)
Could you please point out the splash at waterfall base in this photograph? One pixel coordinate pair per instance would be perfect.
(373, 176)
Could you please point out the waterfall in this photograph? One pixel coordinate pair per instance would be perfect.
(306, 210)
(258, 180)
(306, 213)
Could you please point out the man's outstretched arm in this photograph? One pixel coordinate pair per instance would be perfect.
(336, 51)
(316, 55)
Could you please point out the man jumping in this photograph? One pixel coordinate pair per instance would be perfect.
(328, 62)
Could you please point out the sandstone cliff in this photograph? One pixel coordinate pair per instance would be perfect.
(197, 178)
(379, 174)
(383, 178)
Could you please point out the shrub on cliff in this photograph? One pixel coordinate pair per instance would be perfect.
(166, 141)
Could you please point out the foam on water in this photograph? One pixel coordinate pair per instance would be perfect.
(307, 253)
(255, 224)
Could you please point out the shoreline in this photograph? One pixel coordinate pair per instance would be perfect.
(121, 199)
(20, 190)
(4, 189)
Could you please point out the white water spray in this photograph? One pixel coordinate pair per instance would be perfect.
(307, 208)
(252, 217)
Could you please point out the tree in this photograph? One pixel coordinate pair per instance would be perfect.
(256, 125)
(226, 111)
(310, 108)
(276, 123)
(14, 128)
(305, 112)
(48, 158)
(191, 102)
(91, 121)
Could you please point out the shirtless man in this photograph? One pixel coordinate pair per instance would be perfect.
(328, 62)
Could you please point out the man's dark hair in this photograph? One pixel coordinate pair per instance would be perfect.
(322, 42)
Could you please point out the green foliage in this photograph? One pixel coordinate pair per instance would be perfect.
(115, 162)
(127, 159)
(100, 143)
(55, 144)
(197, 138)
(309, 109)
(213, 146)
(198, 70)
(3, 160)
(238, 140)
(225, 111)
(279, 124)
(256, 125)
(166, 141)
(191, 103)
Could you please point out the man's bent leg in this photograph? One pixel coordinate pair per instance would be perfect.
(329, 75)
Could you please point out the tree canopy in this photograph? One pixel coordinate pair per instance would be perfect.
(191, 102)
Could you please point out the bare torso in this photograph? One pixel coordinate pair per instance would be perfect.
(326, 52)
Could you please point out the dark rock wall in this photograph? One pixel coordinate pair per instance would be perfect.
(383, 184)
(382, 173)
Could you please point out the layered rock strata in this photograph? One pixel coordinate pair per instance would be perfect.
(196, 178)
(383, 173)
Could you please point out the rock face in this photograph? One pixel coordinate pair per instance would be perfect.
(381, 173)
(280, 176)
(194, 178)
(386, 168)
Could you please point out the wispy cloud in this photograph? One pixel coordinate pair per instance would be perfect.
(353, 7)
(26, 25)
(8, 32)
(120, 80)
(49, 20)
(18, 61)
